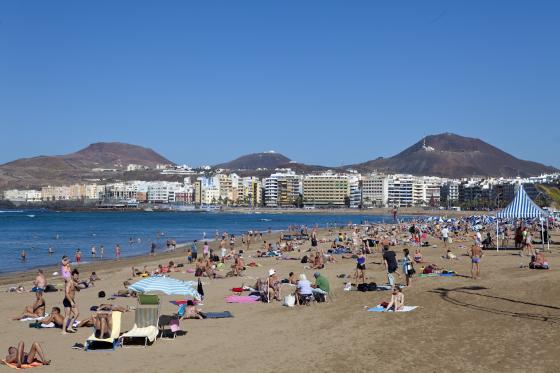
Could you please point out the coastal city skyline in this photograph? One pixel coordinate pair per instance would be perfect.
(204, 83)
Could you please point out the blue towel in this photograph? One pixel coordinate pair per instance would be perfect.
(218, 315)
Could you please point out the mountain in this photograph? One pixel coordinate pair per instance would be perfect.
(74, 167)
(268, 160)
(450, 155)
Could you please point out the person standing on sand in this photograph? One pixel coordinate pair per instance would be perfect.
(476, 255)
(117, 252)
(153, 249)
(391, 264)
(78, 256)
(71, 311)
(445, 236)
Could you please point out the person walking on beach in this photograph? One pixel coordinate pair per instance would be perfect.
(476, 255)
(194, 250)
(78, 256)
(117, 252)
(153, 249)
(71, 311)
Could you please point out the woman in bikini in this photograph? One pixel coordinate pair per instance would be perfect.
(34, 311)
(397, 300)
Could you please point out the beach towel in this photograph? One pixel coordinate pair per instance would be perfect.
(436, 274)
(242, 299)
(218, 315)
(380, 308)
(34, 318)
(23, 366)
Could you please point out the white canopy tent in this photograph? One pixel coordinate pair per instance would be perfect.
(522, 207)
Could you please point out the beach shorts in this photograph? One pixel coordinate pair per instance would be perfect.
(445, 239)
(38, 290)
(361, 267)
(66, 303)
(475, 260)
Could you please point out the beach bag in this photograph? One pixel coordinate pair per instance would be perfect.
(290, 300)
(304, 259)
(372, 286)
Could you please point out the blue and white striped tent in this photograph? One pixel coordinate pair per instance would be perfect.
(167, 285)
(522, 207)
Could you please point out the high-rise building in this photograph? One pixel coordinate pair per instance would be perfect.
(326, 190)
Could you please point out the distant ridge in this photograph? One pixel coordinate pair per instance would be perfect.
(268, 160)
(454, 156)
(76, 166)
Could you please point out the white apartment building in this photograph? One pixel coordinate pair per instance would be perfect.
(375, 190)
(16, 195)
(399, 190)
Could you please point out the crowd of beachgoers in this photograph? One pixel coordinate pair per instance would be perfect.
(230, 256)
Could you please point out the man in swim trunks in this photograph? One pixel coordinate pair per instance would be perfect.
(40, 282)
(19, 357)
(71, 311)
(55, 317)
(34, 311)
(476, 255)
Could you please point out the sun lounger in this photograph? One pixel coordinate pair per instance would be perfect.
(146, 320)
(115, 333)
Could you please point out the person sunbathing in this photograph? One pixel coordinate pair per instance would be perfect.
(238, 265)
(18, 356)
(55, 317)
(34, 311)
(101, 321)
(317, 262)
(417, 256)
(193, 312)
(397, 300)
(450, 255)
(538, 261)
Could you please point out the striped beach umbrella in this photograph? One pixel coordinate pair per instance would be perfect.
(167, 285)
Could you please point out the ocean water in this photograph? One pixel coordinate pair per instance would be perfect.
(36, 230)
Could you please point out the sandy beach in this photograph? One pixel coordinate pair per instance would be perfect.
(506, 321)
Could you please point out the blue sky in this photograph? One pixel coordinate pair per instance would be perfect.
(324, 82)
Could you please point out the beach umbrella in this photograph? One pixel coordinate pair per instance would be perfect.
(167, 285)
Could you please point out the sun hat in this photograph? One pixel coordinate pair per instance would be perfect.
(271, 272)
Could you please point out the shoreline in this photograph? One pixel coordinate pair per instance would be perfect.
(15, 277)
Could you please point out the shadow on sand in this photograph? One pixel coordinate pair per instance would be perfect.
(447, 295)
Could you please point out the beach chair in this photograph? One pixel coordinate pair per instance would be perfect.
(146, 320)
(113, 340)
